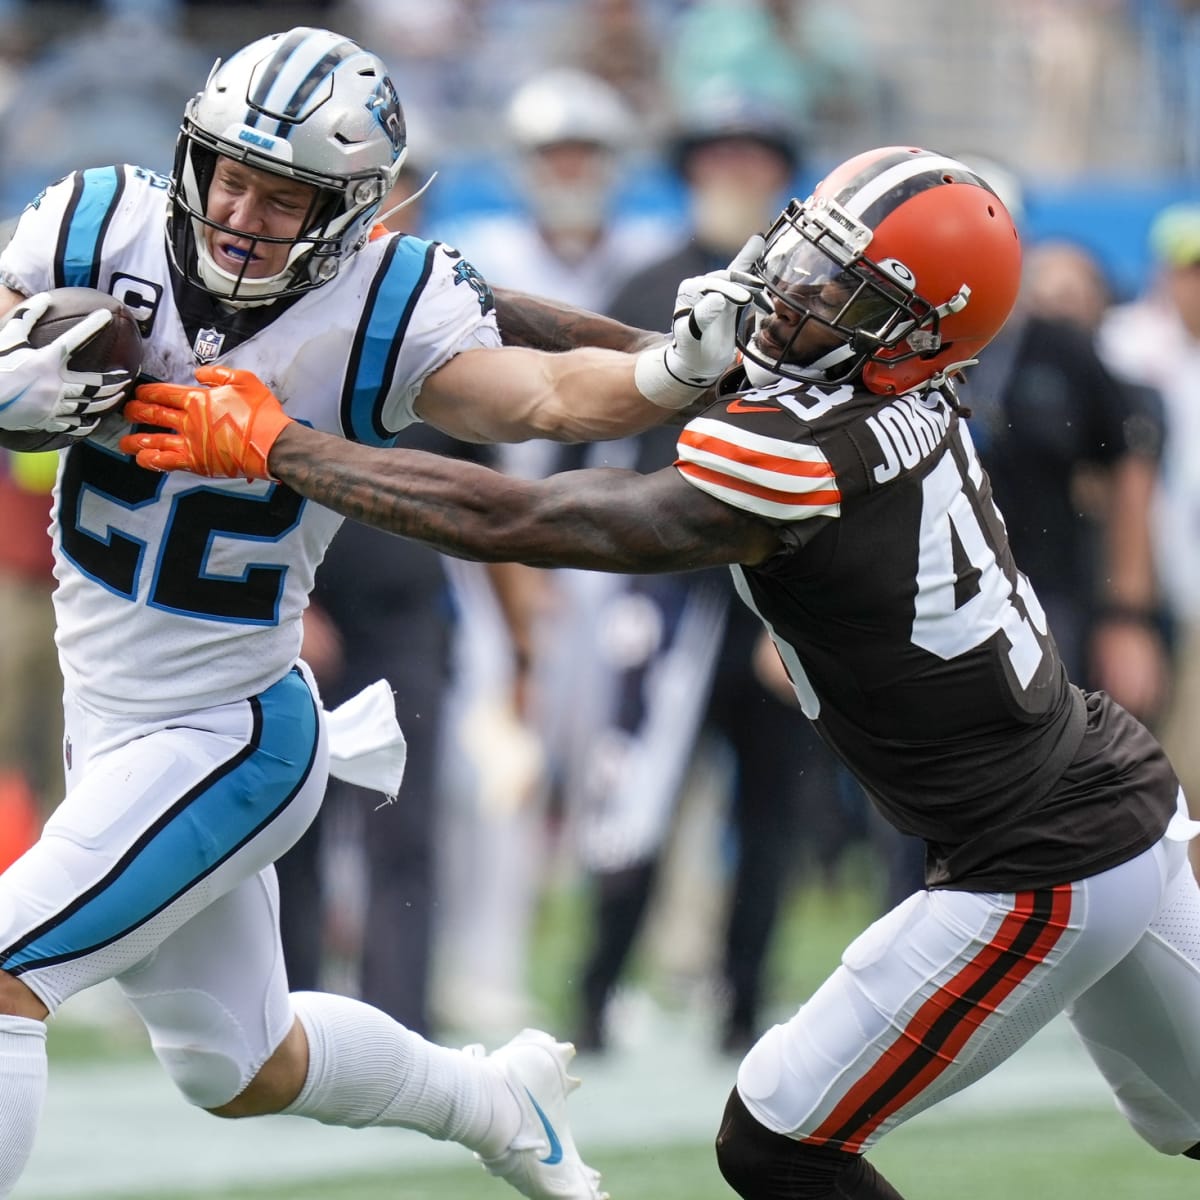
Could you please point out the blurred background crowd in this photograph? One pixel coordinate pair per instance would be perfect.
(628, 744)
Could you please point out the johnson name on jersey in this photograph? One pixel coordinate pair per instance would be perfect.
(163, 578)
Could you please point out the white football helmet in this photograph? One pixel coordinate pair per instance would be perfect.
(562, 108)
(309, 105)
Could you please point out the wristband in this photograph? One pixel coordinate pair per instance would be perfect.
(653, 378)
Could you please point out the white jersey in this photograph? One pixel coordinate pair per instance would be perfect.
(175, 592)
(508, 249)
(1147, 342)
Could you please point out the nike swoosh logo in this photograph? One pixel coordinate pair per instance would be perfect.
(738, 406)
(556, 1150)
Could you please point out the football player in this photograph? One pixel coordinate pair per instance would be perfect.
(835, 474)
(196, 748)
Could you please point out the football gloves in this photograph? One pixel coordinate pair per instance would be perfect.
(703, 327)
(38, 390)
(224, 428)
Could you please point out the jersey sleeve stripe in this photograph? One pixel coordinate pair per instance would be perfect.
(94, 198)
(782, 458)
(740, 436)
(755, 498)
(394, 293)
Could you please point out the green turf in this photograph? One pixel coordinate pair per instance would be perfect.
(1077, 1154)
(1074, 1155)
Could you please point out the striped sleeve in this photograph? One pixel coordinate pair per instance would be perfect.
(59, 239)
(771, 477)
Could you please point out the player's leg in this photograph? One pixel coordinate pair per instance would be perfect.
(757, 1162)
(215, 1000)
(1141, 1021)
(158, 820)
(23, 1071)
(929, 999)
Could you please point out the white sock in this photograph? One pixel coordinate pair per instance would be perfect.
(22, 1093)
(366, 1069)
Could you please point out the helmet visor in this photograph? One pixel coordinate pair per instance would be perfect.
(855, 299)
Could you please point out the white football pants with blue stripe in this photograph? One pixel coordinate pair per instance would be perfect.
(156, 870)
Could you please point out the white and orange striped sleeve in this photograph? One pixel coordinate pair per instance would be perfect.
(776, 478)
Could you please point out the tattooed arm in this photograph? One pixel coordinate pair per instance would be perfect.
(541, 324)
(600, 520)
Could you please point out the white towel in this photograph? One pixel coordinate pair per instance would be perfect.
(1182, 828)
(366, 743)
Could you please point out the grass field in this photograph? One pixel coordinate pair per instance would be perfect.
(1066, 1155)
(1042, 1126)
(1074, 1156)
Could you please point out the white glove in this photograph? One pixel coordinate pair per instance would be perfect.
(702, 345)
(38, 391)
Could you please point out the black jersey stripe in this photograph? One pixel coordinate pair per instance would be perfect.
(95, 195)
(399, 281)
(999, 967)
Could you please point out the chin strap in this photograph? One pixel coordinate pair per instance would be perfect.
(944, 382)
(942, 378)
(391, 212)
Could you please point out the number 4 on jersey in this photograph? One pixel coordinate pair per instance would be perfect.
(944, 623)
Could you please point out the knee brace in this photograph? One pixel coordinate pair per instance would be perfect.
(199, 1045)
(762, 1165)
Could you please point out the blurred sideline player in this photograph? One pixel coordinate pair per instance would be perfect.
(836, 474)
(360, 890)
(684, 659)
(569, 139)
(197, 746)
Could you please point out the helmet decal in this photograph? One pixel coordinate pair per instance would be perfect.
(384, 105)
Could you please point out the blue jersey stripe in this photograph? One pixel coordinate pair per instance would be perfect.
(77, 262)
(394, 294)
(206, 826)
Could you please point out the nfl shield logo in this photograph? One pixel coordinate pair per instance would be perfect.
(208, 345)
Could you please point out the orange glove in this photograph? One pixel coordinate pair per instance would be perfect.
(226, 428)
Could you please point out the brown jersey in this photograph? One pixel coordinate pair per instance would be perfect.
(914, 642)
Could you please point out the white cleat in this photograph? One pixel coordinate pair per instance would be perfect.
(541, 1162)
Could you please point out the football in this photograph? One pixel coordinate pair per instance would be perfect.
(118, 344)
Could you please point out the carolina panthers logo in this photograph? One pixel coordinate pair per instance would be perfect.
(465, 273)
(384, 105)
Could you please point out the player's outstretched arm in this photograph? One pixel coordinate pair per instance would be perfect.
(540, 324)
(510, 394)
(605, 520)
(601, 520)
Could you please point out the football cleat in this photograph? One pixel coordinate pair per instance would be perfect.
(541, 1161)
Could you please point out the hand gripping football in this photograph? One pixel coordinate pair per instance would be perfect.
(118, 345)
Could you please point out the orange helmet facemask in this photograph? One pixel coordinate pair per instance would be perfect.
(900, 267)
